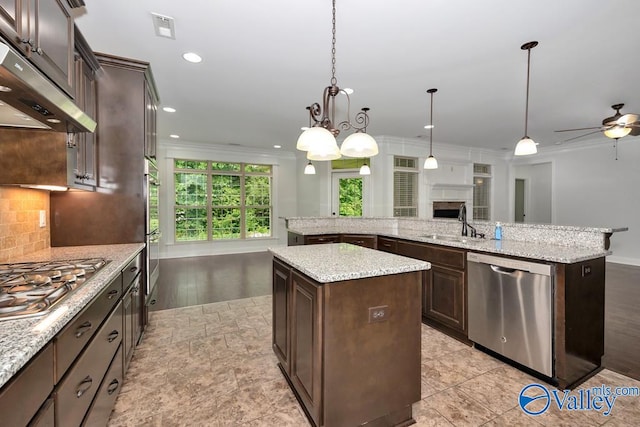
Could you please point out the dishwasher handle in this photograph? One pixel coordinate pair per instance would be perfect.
(512, 264)
(503, 270)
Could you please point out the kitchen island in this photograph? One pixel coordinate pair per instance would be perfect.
(346, 331)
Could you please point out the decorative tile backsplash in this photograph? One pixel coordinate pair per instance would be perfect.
(20, 232)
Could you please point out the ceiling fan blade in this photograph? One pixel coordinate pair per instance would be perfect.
(627, 119)
(635, 130)
(571, 130)
(580, 136)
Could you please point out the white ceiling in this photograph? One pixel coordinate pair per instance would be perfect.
(264, 61)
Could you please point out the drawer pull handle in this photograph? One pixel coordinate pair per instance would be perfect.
(85, 327)
(113, 336)
(112, 293)
(386, 245)
(133, 269)
(113, 386)
(84, 386)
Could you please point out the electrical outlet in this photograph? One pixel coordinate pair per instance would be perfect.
(43, 219)
(378, 314)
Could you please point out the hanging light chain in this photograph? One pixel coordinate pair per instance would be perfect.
(333, 46)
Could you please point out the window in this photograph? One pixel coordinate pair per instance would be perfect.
(481, 191)
(405, 186)
(217, 200)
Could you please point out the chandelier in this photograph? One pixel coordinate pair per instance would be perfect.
(319, 141)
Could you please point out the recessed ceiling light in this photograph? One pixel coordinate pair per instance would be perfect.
(22, 116)
(192, 57)
(5, 89)
(169, 109)
(53, 120)
(277, 146)
(174, 136)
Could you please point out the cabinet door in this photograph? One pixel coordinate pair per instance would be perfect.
(150, 137)
(387, 245)
(444, 297)
(51, 40)
(127, 328)
(11, 20)
(281, 313)
(306, 345)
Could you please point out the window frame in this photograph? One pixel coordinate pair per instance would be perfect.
(414, 172)
(242, 173)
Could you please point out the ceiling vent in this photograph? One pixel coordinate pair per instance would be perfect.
(164, 26)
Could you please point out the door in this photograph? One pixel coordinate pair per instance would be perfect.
(519, 200)
(348, 194)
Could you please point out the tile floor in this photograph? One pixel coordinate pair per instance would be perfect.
(212, 365)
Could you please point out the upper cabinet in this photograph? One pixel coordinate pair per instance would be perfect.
(150, 124)
(43, 31)
(83, 150)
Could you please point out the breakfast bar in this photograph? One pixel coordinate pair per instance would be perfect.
(346, 331)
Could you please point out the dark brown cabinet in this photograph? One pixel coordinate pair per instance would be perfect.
(306, 346)
(132, 309)
(366, 240)
(151, 111)
(82, 156)
(330, 349)
(325, 238)
(281, 313)
(43, 31)
(444, 296)
(387, 244)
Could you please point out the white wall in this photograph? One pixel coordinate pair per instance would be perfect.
(456, 167)
(284, 195)
(591, 188)
(538, 191)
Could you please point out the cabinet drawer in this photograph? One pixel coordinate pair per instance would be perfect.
(325, 238)
(21, 398)
(106, 397)
(75, 393)
(72, 339)
(131, 270)
(366, 240)
(435, 254)
(387, 245)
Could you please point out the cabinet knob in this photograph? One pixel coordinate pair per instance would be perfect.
(82, 329)
(113, 386)
(112, 294)
(84, 386)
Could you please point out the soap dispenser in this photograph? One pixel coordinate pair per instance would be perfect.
(498, 231)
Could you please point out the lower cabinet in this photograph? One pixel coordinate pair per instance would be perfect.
(306, 345)
(106, 397)
(281, 312)
(132, 321)
(366, 240)
(325, 238)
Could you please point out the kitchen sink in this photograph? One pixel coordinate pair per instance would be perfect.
(452, 238)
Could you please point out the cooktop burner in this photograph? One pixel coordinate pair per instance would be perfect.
(32, 288)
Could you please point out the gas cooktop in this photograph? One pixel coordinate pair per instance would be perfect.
(33, 288)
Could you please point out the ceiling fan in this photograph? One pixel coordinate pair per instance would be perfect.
(617, 126)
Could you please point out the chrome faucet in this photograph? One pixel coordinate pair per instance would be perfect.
(462, 216)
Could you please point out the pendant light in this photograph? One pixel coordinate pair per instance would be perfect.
(309, 169)
(431, 162)
(320, 141)
(526, 145)
(365, 169)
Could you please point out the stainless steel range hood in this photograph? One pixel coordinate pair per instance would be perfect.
(30, 100)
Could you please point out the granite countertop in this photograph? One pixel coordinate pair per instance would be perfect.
(342, 261)
(533, 250)
(21, 339)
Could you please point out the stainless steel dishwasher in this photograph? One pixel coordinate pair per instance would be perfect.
(510, 305)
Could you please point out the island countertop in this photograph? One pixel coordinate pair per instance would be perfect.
(21, 339)
(343, 261)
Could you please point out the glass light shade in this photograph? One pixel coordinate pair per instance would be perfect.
(431, 163)
(324, 152)
(359, 144)
(525, 147)
(365, 170)
(617, 132)
(309, 169)
(315, 137)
